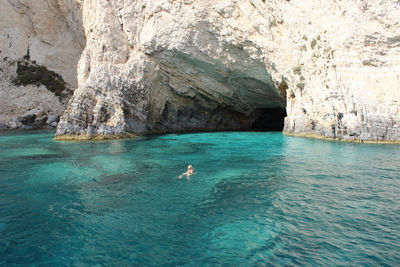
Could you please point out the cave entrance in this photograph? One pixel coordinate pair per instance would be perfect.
(269, 120)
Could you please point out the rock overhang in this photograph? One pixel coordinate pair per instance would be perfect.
(198, 80)
(243, 87)
(183, 65)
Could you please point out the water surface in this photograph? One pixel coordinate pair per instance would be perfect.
(257, 198)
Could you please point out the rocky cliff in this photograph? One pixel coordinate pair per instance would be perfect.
(167, 66)
(40, 44)
(159, 66)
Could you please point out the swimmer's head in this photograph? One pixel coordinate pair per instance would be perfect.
(190, 167)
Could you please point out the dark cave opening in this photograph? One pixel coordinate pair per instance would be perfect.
(269, 120)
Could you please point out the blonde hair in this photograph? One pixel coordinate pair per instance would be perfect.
(190, 167)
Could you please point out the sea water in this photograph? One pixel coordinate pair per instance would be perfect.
(256, 199)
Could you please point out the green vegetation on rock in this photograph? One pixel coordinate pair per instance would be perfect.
(297, 70)
(313, 43)
(30, 73)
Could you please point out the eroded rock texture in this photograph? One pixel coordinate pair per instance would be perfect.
(160, 66)
(169, 66)
(347, 82)
(40, 44)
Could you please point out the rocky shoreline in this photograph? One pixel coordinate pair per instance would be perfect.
(331, 68)
(32, 120)
(341, 139)
(217, 65)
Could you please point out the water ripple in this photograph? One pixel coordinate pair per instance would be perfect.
(257, 199)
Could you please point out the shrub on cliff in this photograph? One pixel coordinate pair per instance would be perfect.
(31, 73)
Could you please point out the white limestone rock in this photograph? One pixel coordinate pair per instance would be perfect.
(53, 118)
(51, 31)
(158, 66)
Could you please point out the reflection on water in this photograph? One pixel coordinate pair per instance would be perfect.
(257, 198)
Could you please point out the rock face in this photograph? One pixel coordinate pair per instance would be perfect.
(160, 66)
(40, 44)
(350, 66)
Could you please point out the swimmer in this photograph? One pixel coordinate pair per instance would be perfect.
(189, 172)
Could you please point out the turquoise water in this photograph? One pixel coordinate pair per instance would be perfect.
(257, 198)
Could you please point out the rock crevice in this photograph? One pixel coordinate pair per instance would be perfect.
(41, 42)
(167, 66)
